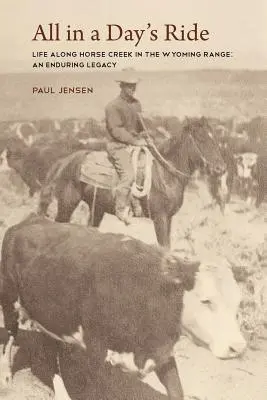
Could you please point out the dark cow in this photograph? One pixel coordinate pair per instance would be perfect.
(16, 154)
(7, 136)
(32, 163)
(221, 186)
(82, 286)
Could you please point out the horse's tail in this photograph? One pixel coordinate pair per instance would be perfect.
(63, 170)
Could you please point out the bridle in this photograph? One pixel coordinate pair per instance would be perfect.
(203, 158)
(205, 161)
(173, 170)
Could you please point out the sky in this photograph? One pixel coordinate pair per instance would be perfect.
(235, 26)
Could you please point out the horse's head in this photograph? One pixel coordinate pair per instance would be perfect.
(204, 147)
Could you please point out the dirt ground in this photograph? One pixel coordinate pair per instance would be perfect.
(238, 235)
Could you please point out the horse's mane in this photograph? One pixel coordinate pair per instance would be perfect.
(189, 127)
(170, 147)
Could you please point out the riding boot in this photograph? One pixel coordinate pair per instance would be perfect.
(136, 207)
(122, 206)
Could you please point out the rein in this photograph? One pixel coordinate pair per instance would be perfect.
(169, 167)
(152, 147)
(199, 151)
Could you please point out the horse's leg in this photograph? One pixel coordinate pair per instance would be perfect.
(99, 201)
(96, 216)
(162, 224)
(68, 199)
(93, 197)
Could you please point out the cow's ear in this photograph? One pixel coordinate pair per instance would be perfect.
(180, 269)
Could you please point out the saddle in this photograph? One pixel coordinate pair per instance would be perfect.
(97, 170)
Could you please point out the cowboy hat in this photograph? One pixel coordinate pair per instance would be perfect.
(128, 76)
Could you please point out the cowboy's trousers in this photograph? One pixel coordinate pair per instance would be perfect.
(120, 157)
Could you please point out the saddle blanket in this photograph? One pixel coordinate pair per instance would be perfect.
(97, 170)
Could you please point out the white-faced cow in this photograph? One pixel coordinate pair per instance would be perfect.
(211, 309)
(220, 186)
(246, 162)
(25, 131)
(106, 291)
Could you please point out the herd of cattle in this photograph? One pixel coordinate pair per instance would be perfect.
(32, 147)
(82, 278)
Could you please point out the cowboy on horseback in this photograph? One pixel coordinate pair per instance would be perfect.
(125, 130)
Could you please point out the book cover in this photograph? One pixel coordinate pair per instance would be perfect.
(146, 119)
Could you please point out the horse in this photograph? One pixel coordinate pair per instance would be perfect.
(172, 168)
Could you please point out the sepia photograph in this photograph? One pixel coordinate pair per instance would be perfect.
(133, 200)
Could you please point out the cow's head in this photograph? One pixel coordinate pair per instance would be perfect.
(245, 164)
(211, 309)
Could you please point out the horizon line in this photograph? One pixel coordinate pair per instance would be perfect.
(139, 70)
